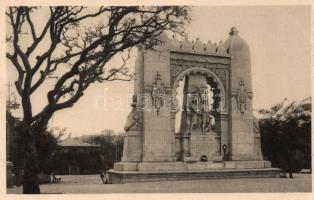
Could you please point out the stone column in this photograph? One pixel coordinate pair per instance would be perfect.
(133, 140)
(183, 125)
(158, 138)
(240, 100)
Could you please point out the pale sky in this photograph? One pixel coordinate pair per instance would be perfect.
(279, 39)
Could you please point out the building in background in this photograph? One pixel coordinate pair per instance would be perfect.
(73, 156)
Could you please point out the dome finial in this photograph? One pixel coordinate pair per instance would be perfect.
(233, 31)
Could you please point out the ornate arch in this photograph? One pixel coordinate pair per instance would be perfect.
(210, 75)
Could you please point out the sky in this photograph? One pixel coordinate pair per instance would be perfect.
(279, 40)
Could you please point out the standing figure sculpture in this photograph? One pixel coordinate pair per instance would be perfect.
(194, 113)
(133, 118)
(208, 121)
(200, 117)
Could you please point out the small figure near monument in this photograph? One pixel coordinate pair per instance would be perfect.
(104, 178)
(55, 179)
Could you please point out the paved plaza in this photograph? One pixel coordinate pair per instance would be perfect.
(74, 184)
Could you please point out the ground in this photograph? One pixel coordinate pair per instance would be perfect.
(93, 184)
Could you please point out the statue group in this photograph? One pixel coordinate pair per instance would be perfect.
(199, 115)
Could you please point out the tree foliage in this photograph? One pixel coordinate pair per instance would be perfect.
(111, 147)
(93, 160)
(45, 143)
(286, 135)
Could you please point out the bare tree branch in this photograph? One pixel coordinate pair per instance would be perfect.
(87, 53)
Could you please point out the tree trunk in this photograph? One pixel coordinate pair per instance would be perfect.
(31, 167)
(31, 163)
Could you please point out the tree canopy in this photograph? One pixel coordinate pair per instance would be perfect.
(72, 45)
(286, 134)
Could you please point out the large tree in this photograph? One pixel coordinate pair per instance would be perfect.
(73, 45)
(285, 131)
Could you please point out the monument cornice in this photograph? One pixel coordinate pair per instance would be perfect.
(201, 58)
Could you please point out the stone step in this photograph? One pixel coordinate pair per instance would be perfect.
(137, 176)
(187, 166)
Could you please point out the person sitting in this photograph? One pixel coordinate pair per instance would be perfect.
(103, 178)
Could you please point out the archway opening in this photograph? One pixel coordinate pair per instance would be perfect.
(211, 94)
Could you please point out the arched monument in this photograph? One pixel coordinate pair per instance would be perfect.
(218, 139)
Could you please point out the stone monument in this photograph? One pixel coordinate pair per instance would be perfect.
(215, 140)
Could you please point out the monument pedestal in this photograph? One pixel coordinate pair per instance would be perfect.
(204, 144)
(132, 151)
(166, 171)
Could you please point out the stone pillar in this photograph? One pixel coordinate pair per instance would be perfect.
(240, 100)
(158, 138)
(183, 125)
(132, 147)
(133, 140)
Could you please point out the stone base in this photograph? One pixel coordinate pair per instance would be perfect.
(157, 171)
(136, 176)
(132, 149)
(125, 166)
(204, 144)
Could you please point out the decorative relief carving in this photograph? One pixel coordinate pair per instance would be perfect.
(221, 73)
(133, 122)
(242, 97)
(176, 69)
(225, 60)
(174, 106)
(256, 128)
(158, 94)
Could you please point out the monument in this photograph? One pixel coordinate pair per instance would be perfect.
(218, 136)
